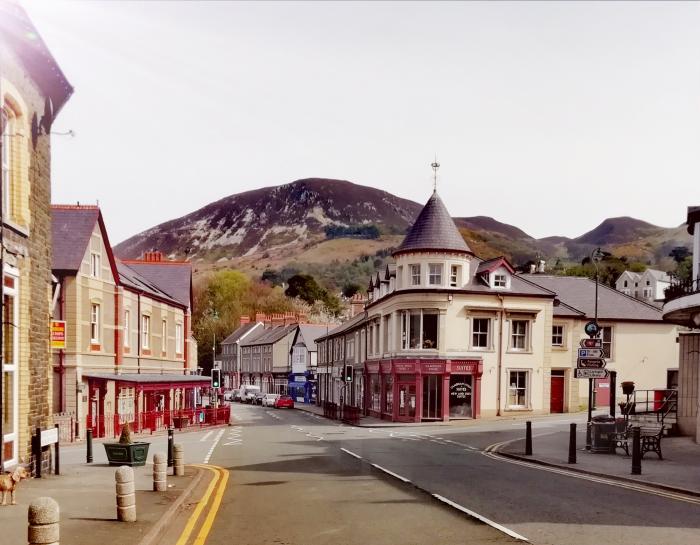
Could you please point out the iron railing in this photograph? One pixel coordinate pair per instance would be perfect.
(681, 288)
(659, 403)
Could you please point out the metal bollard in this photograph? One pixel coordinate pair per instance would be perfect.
(572, 443)
(43, 517)
(528, 438)
(178, 460)
(171, 442)
(126, 494)
(160, 473)
(88, 436)
(636, 452)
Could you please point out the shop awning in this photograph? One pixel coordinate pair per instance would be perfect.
(153, 381)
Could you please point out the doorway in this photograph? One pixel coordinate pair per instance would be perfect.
(601, 392)
(461, 396)
(432, 397)
(407, 401)
(556, 400)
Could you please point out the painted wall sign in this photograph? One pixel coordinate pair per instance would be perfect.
(58, 334)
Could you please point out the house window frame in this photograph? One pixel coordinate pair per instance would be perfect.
(562, 334)
(11, 289)
(178, 339)
(527, 390)
(164, 336)
(127, 333)
(7, 120)
(526, 335)
(500, 280)
(95, 329)
(95, 264)
(609, 345)
(474, 332)
(406, 329)
(414, 270)
(145, 332)
(435, 278)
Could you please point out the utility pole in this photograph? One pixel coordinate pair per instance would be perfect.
(595, 257)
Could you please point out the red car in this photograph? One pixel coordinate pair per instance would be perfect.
(284, 401)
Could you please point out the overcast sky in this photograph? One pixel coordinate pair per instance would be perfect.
(549, 116)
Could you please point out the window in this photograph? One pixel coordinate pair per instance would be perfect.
(435, 274)
(625, 284)
(6, 119)
(385, 340)
(517, 389)
(399, 278)
(178, 338)
(95, 324)
(145, 332)
(499, 280)
(164, 337)
(95, 265)
(518, 335)
(607, 336)
(127, 331)
(415, 275)
(647, 293)
(480, 332)
(648, 283)
(557, 335)
(419, 330)
(10, 400)
(454, 276)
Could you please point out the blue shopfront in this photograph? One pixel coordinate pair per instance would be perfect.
(302, 387)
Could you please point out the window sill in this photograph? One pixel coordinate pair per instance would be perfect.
(480, 349)
(145, 352)
(511, 351)
(559, 348)
(19, 229)
(517, 409)
(95, 347)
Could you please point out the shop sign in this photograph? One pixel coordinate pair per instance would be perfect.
(58, 334)
(386, 368)
(469, 367)
(460, 390)
(373, 368)
(436, 368)
(404, 367)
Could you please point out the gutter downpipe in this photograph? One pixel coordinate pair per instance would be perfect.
(138, 321)
(500, 355)
(61, 352)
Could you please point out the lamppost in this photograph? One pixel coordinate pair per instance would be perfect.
(596, 256)
(213, 315)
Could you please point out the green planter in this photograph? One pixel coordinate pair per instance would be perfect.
(132, 454)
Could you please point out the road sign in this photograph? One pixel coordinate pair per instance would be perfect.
(588, 353)
(591, 343)
(592, 328)
(590, 373)
(590, 363)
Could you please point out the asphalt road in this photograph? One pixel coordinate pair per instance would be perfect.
(296, 478)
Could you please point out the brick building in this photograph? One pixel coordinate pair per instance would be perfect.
(33, 89)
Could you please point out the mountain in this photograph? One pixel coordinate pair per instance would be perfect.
(323, 221)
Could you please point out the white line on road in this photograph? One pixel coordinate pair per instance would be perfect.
(351, 453)
(385, 470)
(206, 436)
(477, 516)
(211, 450)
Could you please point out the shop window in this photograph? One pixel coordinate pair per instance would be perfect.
(10, 354)
(519, 335)
(557, 335)
(480, 332)
(435, 274)
(419, 330)
(518, 389)
(376, 392)
(389, 389)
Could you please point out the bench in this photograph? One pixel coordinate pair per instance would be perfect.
(649, 440)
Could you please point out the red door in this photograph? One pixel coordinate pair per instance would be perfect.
(407, 402)
(601, 392)
(556, 403)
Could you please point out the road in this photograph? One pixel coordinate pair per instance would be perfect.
(296, 478)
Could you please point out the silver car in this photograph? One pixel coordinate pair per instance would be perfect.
(268, 400)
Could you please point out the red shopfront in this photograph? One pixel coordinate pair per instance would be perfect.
(420, 390)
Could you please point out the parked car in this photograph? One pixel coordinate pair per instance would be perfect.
(268, 400)
(236, 395)
(248, 393)
(283, 402)
(257, 400)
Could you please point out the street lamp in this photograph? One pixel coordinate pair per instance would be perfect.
(213, 315)
(596, 257)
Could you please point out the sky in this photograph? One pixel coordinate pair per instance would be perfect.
(549, 116)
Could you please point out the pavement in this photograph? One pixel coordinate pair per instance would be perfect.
(678, 471)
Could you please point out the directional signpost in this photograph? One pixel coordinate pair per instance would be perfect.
(590, 373)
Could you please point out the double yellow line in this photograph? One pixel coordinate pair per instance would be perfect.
(219, 483)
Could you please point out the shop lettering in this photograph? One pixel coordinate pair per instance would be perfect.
(464, 368)
(433, 368)
(403, 367)
(460, 390)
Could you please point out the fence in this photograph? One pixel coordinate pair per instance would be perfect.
(110, 425)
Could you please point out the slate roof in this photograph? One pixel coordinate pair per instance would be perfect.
(71, 229)
(579, 293)
(269, 335)
(352, 322)
(492, 264)
(240, 332)
(518, 286)
(309, 333)
(659, 275)
(174, 277)
(434, 229)
(132, 279)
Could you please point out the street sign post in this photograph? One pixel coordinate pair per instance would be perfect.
(591, 343)
(590, 353)
(590, 373)
(592, 363)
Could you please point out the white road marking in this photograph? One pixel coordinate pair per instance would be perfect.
(351, 453)
(211, 450)
(477, 516)
(385, 470)
(206, 436)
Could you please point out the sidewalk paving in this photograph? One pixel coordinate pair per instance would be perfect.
(679, 470)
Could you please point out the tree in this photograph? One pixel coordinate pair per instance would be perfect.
(305, 287)
(679, 253)
(350, 289)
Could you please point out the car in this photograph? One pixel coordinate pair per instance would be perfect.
(236, 395)
(268, 400)
(284, 402)
(257, 400)
(248, 393)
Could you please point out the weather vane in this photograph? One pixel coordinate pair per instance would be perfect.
(435, 166)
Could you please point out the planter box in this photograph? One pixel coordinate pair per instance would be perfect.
(134, 454)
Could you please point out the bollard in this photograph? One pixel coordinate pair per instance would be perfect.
(171, 442)
(572, 443)
(160, 473)
(88, 436)
(636, 452)
(126, 494)
(43, 516)
(178, 460)
(528, 438)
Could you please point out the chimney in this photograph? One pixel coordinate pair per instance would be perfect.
(245, 319)
(260, 317)
(153, 257)
(540, 266)
(302, 318)
(277, 319)
(289, 318)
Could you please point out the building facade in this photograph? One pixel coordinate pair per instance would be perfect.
(648, 286)
(303, 383)
(33, 90)
(231, 353)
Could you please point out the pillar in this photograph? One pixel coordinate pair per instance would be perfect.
(445, 397)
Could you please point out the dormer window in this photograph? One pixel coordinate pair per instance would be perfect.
(454, 276)
(435, 274)
(499, 280)
(415, 275)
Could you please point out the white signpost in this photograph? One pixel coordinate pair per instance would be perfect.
(590, 373)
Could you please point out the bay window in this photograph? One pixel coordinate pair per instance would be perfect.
(419, 330)
(415, 275)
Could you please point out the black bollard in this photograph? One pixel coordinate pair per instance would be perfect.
(57, 448)
(528, 438)
(37, 454)
(636, 452)
(171, 442)
(88, 436)
(572, 443)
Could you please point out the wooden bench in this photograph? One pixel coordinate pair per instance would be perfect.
(649, 440)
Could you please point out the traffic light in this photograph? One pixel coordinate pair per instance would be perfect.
(216, 378)
(348, 373)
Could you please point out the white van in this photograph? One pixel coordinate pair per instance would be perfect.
(248, 393)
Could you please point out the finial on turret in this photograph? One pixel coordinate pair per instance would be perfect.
(435, 166)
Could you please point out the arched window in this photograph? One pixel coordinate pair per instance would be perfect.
(11, 164)
(7, 124)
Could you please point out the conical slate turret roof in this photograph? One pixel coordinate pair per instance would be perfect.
(434, 230)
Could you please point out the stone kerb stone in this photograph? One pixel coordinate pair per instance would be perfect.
(160, 473)
(43, 517)
(126, 494)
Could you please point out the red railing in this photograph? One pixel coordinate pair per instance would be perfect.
(110, 425)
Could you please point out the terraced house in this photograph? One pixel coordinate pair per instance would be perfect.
(33, 90)
(448, 335)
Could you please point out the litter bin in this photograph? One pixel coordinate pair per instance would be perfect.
(659, 398)
(602, 428)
